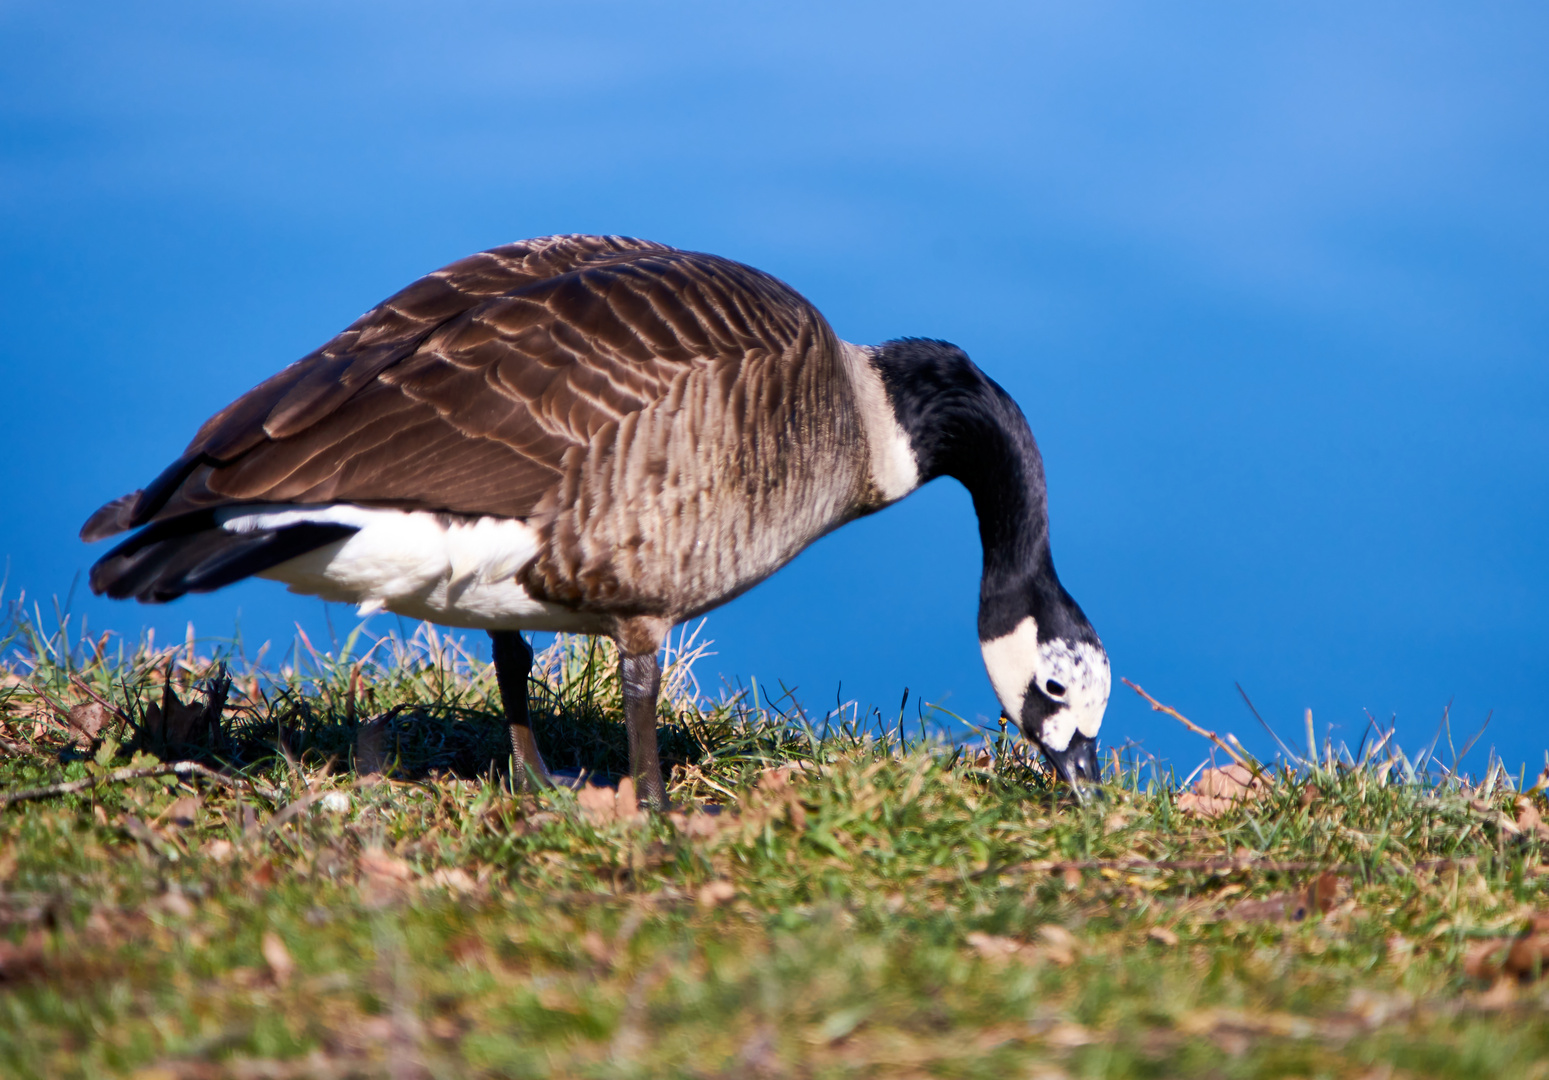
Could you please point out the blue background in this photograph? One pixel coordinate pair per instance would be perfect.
(1269, 281)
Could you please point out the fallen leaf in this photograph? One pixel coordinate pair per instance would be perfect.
(277, 956)
(175, 904)
(1059, 944)
(1501, 995)
(183, 813)
(1219, 790)
(1117, 820)
(1525, 956)
(1067, 1035)
(593, 945)
(994, 947)
(775, 796)
(1375, 1009)
(86, 721)
(1320, 895)
(219, 850)
(605, 806)
(454, 879)
(384, 866)
(715, 893)
(1400, 950)
(1529, 954)
(1162, 935)
(697, 825)
(1530, 819)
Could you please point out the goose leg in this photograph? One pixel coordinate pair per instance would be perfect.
(641, 674)
(513, 663)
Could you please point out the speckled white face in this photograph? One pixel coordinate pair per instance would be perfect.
(1072, 674)
(1081, 670)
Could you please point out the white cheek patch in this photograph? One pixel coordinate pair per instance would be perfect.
(1082, 669)
(1012, 661)
(1017, 660)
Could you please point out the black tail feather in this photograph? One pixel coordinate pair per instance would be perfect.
(195, 554)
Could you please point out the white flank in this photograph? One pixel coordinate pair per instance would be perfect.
(894, 468)
(417, 564)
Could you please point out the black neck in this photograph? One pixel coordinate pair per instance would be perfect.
(961, 424)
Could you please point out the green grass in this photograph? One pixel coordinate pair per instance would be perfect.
(839, 902)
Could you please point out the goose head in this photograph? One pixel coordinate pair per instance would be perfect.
(1055, 689)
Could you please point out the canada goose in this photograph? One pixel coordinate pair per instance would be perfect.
(603, 435)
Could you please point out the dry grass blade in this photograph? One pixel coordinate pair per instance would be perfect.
(118, 776)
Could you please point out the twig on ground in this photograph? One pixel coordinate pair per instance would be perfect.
(175, 768)
(1211, 865)
(1240, 758)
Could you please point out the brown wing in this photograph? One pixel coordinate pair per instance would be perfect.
(464, 392)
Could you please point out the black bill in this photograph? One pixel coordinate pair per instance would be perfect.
(1077, 763)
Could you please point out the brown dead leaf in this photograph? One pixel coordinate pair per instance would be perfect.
(86, 722)
(1501, 995)
(775, 796)
(384, 865)
(1530, 819)
(594, 946)
(605, 806)
(995, 948)
(1529, 955)
(1059, 944)
(25, 961)
(219, 850)
(277, 956)
(1400, 950)
(1524, 957)
(1163, 936)
(454, 879)
(715, 893)
(1068, 1035)
(697, 825)
(182, 814)
(1320, 895)
(384, 877)
(1219, 790)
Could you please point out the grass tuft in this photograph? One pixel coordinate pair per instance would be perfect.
(362, 894)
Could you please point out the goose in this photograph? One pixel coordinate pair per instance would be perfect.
(603, 435)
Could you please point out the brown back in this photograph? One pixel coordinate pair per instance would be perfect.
(464, 391)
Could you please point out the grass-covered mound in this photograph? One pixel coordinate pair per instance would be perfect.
(341, 883)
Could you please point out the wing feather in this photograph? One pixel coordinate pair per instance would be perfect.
(478, 388)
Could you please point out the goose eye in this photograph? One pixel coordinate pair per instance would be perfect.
(1054, 688)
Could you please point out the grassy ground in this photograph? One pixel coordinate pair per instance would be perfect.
(372, 900)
